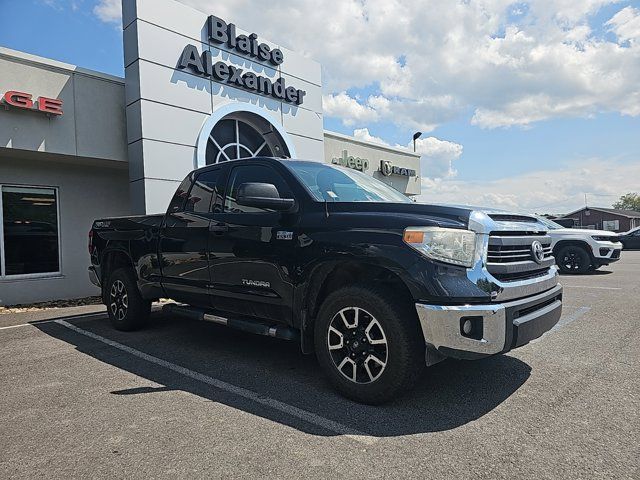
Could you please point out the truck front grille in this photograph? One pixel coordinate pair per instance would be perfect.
(514, 253)
(510, 257)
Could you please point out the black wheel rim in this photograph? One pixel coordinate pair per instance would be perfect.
(572, 261)
(357, 344)
(119, 300)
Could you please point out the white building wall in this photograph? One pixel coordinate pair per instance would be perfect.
(86, 191)
(93, 122)
(167, 107)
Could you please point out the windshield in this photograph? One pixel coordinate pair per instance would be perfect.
(550, 223)
(332, 183)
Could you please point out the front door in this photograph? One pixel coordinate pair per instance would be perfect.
(634, 240)
(251, 250)
(183, 241)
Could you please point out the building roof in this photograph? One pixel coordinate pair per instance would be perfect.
(614, 211)
(36, 61)
(368, 143)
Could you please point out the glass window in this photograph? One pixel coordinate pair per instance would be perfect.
(550, 224)
(177, 202)
(30, 230)
(251, 174)
(339, 184)
(202, 191)
(232, 138)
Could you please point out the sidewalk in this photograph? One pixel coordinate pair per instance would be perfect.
(11, 319)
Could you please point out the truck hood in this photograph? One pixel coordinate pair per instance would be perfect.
(420, 214)
(403, 214)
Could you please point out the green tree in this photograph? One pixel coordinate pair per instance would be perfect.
(630, 201)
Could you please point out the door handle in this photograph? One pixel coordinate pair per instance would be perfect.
(219, 228)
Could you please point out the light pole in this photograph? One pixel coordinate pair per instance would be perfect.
(416, 136)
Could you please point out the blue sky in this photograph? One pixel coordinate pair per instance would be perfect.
(481, 142)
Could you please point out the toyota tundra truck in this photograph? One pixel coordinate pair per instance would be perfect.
(377, 286)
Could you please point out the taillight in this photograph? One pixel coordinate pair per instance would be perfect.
(91, 242)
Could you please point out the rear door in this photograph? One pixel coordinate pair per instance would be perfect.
(183, 242)
(251, 250)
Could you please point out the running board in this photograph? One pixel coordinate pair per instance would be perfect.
(246, 325)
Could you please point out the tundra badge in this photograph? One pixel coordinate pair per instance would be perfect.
(282, 235)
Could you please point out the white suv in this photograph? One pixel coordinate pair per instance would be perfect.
(577, 250)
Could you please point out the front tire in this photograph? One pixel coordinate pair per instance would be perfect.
(126, 307)
(573, 260)
(369, 345)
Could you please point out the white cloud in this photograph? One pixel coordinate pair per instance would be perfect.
(511, 63)
(347, 108)
(363, 134)
(626, 24)
(437, 157)
(109, 11)
(560, 190)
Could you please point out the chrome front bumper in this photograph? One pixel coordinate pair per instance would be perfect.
(504, 326)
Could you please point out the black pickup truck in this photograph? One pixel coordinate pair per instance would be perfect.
(373, 283)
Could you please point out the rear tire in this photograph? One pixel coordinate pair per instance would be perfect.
(126, 307)
(369, 344)
(573, 260)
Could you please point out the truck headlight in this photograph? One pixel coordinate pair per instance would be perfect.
(447, 245)
(604, 238)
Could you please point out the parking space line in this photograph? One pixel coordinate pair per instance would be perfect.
(589, 286)
(580, 311)
(299, 413)
(566, 320)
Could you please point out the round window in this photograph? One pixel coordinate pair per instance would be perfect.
(244, 135)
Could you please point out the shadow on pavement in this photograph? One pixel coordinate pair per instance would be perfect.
(588, 273)
(449, 394)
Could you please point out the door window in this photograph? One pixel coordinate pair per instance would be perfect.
(177, 202)
(253, 174)
(202, 192)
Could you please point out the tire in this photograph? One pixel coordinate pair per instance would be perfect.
(573, 260)
(385, 329)
(126, 308)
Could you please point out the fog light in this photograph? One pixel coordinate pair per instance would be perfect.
(472, 327)
(467, 327)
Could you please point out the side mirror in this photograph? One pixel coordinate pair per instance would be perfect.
(263, 195)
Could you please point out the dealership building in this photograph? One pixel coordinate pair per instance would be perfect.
(76, 145)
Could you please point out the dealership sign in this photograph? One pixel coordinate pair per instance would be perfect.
(387, 168)
(350, 161)
(50, 106)
(221, 33)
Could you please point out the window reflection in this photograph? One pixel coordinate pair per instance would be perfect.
(30, 228)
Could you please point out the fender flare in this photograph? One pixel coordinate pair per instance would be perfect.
(576, 243)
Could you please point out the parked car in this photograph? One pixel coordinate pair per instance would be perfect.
(578, 250)
(631, 239)
(373, 283)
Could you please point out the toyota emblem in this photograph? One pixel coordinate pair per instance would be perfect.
(537, 252)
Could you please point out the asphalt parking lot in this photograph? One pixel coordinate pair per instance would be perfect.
(186, 399)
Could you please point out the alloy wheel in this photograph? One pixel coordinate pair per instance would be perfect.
(119, 300)
(572, 261)
(358, 345)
